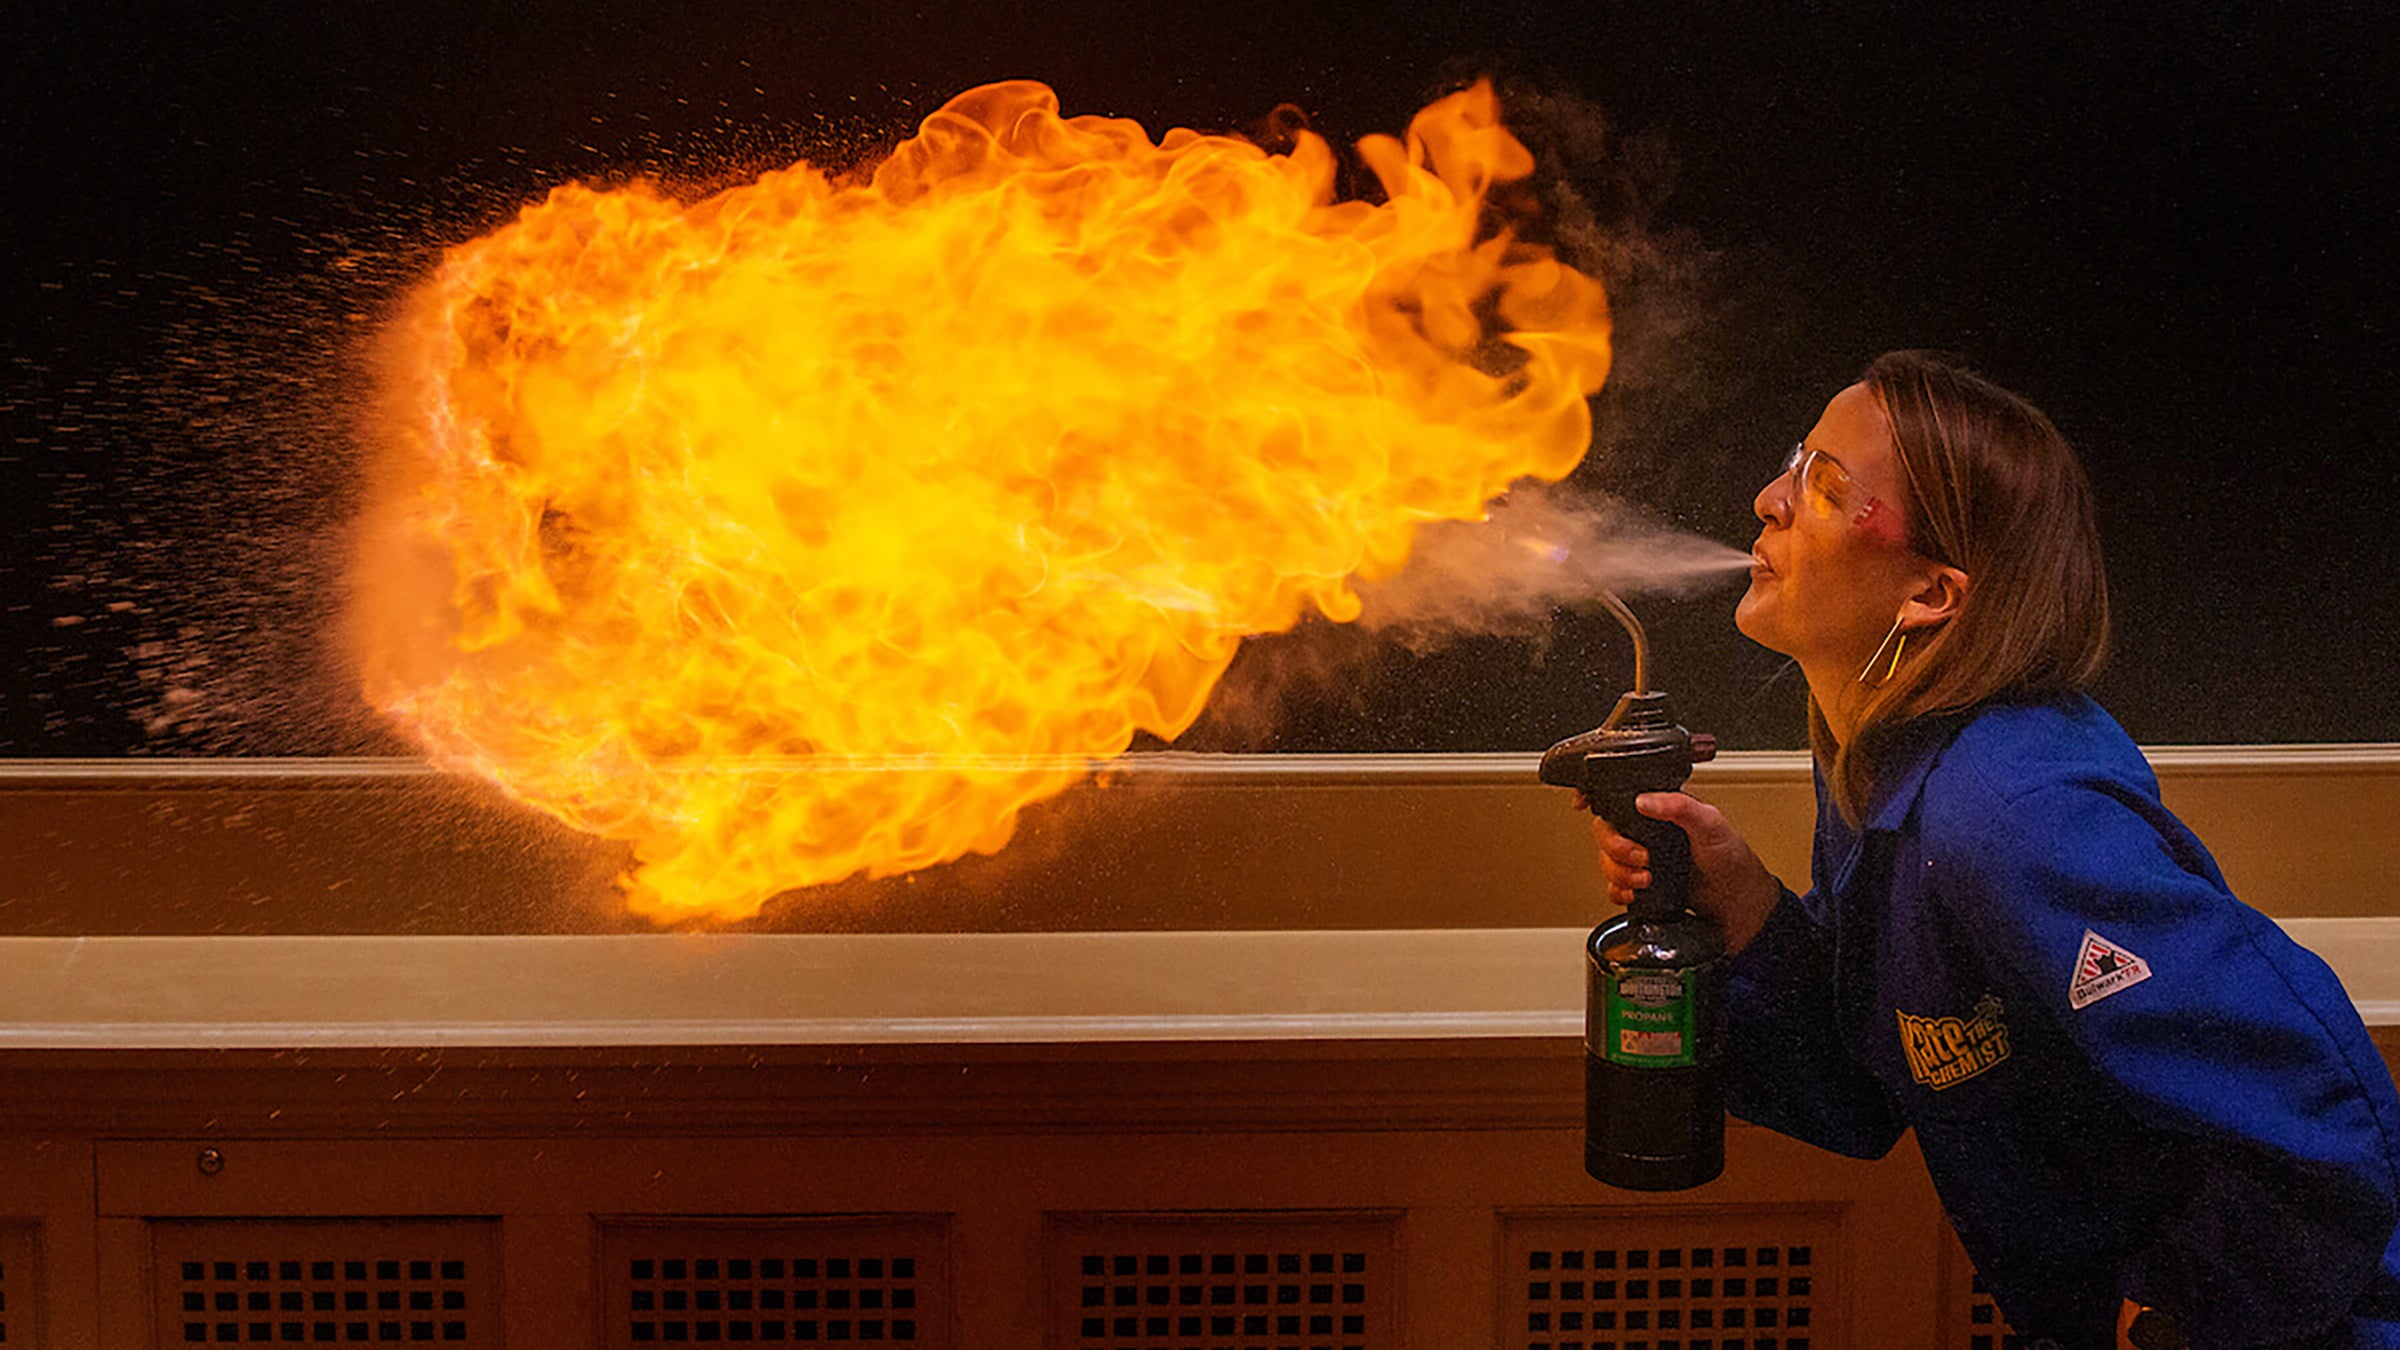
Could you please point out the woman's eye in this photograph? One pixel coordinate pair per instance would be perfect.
(1825, 489)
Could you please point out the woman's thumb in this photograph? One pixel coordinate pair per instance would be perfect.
(1675, 807)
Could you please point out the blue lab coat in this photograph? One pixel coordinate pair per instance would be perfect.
(2125, 1082)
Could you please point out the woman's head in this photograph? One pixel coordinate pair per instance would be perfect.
(1941, 552)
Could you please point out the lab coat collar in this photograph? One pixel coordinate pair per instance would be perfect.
(1907, 758)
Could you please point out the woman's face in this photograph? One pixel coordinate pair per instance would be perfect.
(1832, 562)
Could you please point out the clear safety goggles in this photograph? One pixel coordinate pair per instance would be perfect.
(1823, 488)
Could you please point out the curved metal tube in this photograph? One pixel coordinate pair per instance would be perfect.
(1641, 647)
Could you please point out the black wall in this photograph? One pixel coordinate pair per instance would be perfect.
(2166, 223)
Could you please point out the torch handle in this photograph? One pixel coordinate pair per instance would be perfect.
(1670, 887)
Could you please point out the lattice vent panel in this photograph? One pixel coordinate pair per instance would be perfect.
(881, 1280)
(20, 1249)
(327, 1282)
(1223, 1282)
(1734, 1279)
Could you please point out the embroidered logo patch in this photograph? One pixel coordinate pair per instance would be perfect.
(1946, 1051)
(2103, 968)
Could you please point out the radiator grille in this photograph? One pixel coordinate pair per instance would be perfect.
(285, 1282)
(20, 1244)
(1747, 1279)
(800, 1281)
(1223, 1282)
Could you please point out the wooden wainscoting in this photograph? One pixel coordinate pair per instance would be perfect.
(1419, 1194)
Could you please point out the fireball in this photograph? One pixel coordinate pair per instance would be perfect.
(820, 526)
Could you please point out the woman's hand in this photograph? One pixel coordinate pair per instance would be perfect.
(1729, 884)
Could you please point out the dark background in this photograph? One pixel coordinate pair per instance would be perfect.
(2166, 223)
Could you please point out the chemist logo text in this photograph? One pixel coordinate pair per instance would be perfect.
(1945, 1051)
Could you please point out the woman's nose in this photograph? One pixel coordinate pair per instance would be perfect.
(1773, 504)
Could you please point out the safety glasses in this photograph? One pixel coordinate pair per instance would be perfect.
(1822, 487)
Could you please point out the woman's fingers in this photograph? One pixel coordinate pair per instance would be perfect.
(1616, 847)
(1624, 864)
(1622, 886)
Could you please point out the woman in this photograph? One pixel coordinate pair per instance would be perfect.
(2131, 1090)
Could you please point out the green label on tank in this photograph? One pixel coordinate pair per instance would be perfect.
(1647, 1019)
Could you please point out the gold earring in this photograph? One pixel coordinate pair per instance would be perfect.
(1877, 658)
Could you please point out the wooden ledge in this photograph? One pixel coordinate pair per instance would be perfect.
(177, 993)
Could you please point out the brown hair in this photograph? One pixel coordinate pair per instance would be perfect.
(1990, 487)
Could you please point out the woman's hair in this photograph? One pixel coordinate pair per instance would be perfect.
(1990, 487)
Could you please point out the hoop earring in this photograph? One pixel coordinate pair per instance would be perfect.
(1877, 658)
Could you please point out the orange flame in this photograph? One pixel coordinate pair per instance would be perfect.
(947, 479)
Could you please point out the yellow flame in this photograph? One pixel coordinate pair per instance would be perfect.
(946, 479)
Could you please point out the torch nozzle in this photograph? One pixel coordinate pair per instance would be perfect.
(1638, 749)
(1641, 652)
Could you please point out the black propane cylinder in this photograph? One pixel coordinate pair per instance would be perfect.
(1654, 1010)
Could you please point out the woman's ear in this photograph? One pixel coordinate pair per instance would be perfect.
(1937, 601)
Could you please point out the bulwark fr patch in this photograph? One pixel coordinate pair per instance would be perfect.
(2103, 968)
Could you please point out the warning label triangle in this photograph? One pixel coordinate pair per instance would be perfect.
(2103, 968)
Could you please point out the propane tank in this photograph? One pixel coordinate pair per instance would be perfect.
(1654, 1008)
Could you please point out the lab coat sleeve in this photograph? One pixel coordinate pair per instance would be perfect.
(1788, 1067)
(2235, 1036)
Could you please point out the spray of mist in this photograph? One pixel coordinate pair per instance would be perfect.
(1538, 550)
(1541, 554)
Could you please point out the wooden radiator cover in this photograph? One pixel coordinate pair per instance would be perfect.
(1222, 1281)
(326, 1282)
(878, 1279)
(1675, 1278)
